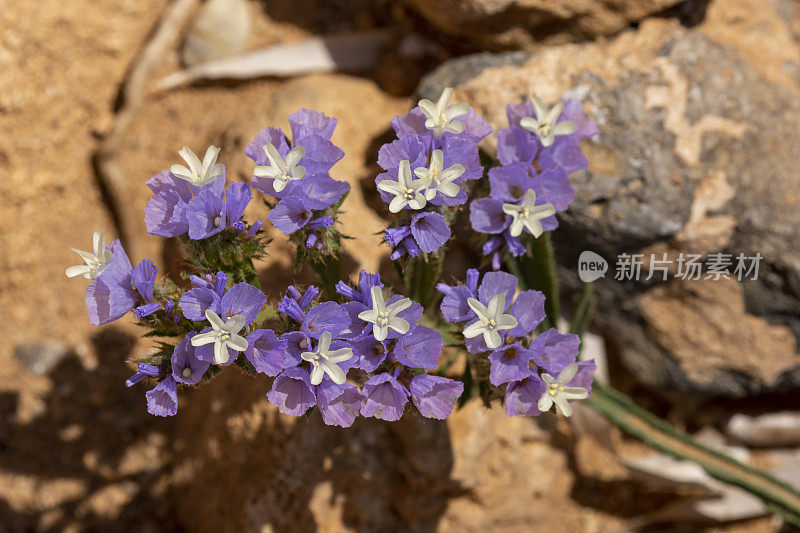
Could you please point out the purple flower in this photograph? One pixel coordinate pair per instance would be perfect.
(454, 304)
(490, 310)
(321, 191)
(326, 316)
(518, 144)
(163, 400)
(143, 371)
(205, 214)
(519, 203)
(165, 214)
(566, 387)
(143, 277)
(307, 122)
(112, 293)
(371, 353)
(554, 350)
(430, 231)
(237, 197)
(289, 215)
(522, 397)
(509, 363)
(292, 392)
(186, 367)
(299, 171)
(338, 404)
(439, 121)
(419, 348)
(322, 327)
(367, 303)
(435, 396)
(385, 398)
(241, 299)
(266, 352)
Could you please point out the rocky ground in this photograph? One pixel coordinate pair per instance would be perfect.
(697, 107)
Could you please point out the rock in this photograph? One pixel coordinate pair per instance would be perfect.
(696, 154)
(704, 325)
(505, 24)
(221, 29)
(281, 473)
(41, 358)
(771, 429)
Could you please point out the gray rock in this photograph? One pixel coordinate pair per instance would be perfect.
(221, 29)
(462, 69)
(696, 154)
(41, 358)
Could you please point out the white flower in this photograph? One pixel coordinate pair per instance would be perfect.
(95, 263)
(491, 319)
(407, 192)
(558, 392)
(438, 180)
(384, 318)
(528, 215)
(323, 361)
(224, 335)
(440, 116)
(282, 170)
(198, 173)
(544, 125)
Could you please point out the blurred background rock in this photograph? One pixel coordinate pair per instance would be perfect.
(697, 104)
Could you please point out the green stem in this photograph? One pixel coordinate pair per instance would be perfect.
(659, 434)
(583, 312)
(329, 271)
(537, 270)
(421, 275)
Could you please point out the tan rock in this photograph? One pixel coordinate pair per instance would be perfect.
(705, 326)
(522, 23)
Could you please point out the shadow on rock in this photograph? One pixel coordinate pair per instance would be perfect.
(94, 454)
(242, 465)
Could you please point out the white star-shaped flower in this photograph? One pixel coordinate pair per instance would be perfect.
(528, 215)
(198, 173)
(490, 321)
(407, 191)
(438, 180)
(384, 318)
(440, 116)
(544, 125)
(558, 392)
(94, 264)
(282, 170)
(224, 335)
(323, 361)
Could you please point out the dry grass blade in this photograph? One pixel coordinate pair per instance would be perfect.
(352, 52)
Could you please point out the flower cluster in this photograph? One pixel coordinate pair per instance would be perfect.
(326, 340)
(538, 152)
(298, 174)
(193, 201)
(498, 322)
(363, 349)
(434, 155)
